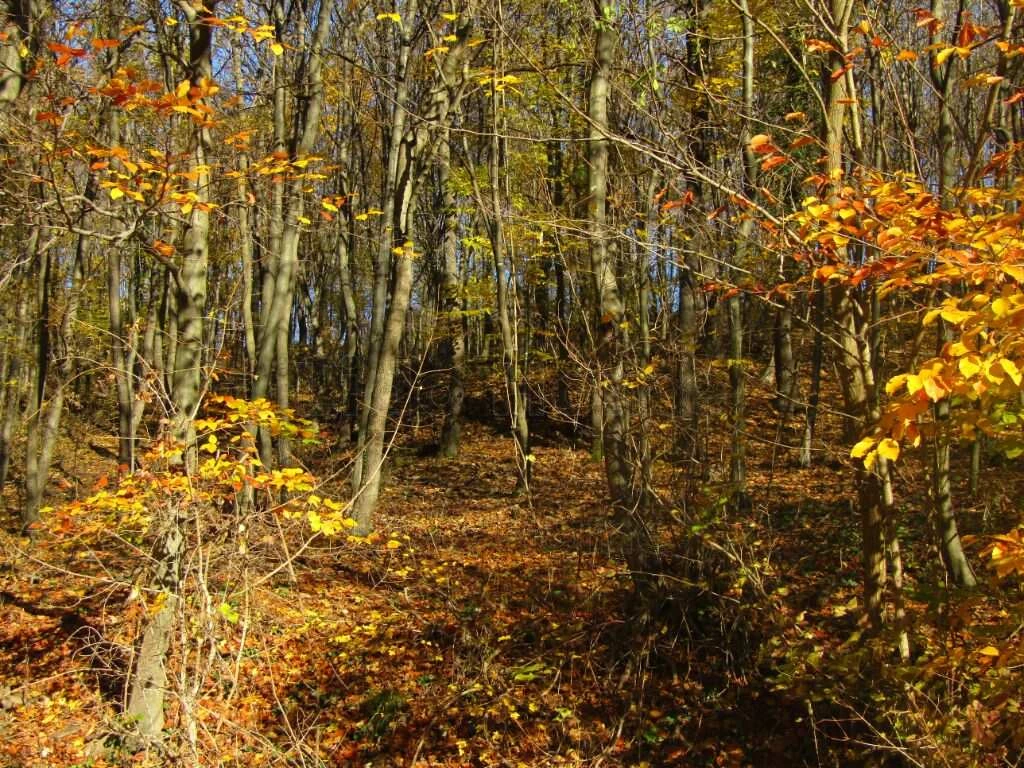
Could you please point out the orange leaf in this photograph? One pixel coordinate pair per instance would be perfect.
(814, 45)
(774, 162)
(164, 249)
(840, 72)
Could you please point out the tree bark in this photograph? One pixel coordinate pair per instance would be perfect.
(413, 151)
(628, 509)
(944, 79)
(147, 688)
(451, 308)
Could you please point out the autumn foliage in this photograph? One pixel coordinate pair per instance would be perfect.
(512, 384)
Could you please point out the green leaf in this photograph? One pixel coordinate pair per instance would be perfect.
(228, 613)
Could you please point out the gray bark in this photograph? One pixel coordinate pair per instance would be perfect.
(944, 79)
(637, 542)
(287, 209)
(148, 685)
(413, 152)
(451, 309)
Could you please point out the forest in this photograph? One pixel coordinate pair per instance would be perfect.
(512, 383)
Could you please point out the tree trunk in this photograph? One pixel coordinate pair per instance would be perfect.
(148, 685)
(944, 79)
(505, 291)
(451, 308)
(785, 379)
(628, 507)
(413, 151)
(737, 373)
(817, 312)
(280, 274)
(365, 502)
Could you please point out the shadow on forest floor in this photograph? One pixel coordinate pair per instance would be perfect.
(482, 628)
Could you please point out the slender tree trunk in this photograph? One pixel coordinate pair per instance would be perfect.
(943, 77)
(52, 364)
(850, 316)
(413, 152)
(15, 383)
(686, 383)
(387, 360)
(737, 373)
(287, 212)
(817, 312)
(505, 290)
(148, 686)
(245, 237)
(18, 19)
(785, 378)
(451, 308)
(386, 241)
(639, 552)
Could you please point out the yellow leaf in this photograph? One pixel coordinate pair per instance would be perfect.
(315, 523)
(392, 544)
(449, 16)
(895, 383)
(861, 448)
(361, 217)
(170, 21)
(889, 449)
(303, 220)
(1011, 370)
(957, 349)
(968, 366)
(277, 48)
(989, 650)
(870, 459)
(955, 316)
(944, 54)
(116, 193)
(933, 388)
(389, 17)
(1014, 271)
(906, 56)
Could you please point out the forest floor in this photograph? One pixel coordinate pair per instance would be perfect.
(479, 627)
